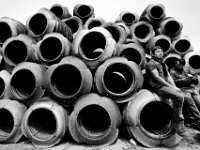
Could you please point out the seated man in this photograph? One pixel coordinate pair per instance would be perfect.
(188, 85)
(160, 82)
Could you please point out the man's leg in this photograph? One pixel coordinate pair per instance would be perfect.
(194, 119)
(177, 100)
(196, 97)
(191, 106)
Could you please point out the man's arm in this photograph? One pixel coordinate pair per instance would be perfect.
(162, 81)
(170, 79)
(181, 82)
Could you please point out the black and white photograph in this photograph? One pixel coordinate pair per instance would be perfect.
(99, 75)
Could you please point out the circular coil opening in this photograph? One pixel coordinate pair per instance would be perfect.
(164, 44)
(172, 28)
(7, 123)
(132, 55)
(93, 45)
(118, 78)
(84, 11)
(2, 86)
(94, 23)
(142, 31)
(157, 12)
(23, 84)
(193, 61)
(94, 120)
(72, 24)
(57, 10)
(156, 118)
(5, 32)
(66, 80)
(42, 124)
(50, 49)
(38, 24)
(13, 49)
(114, 32)
(128, 18)
(182, 45)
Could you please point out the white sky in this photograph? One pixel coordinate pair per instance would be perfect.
(185, 11)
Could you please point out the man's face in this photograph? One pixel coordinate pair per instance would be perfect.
(158, 53)
(180, 64)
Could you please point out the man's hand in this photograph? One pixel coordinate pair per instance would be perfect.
(194, 80)
(195, 92)
(176, 88)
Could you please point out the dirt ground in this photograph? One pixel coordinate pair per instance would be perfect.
(190, 142)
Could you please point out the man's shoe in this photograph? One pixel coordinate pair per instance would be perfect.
(192, 123)
(180, 129)
(187, 123)
(195, 125)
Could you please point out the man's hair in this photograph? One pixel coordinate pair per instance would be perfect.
(154, 49)
(181, 61)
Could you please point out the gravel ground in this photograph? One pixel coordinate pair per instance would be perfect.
(190, 142)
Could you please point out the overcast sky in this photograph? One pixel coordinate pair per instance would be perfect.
(185, 11)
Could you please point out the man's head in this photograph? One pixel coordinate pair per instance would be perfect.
(180, 64)
(157, 52)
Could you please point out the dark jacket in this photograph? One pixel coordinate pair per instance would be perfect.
(182, 80)
(151, 82)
